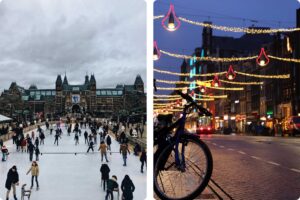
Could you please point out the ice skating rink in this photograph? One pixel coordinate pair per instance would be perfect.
(66, 176)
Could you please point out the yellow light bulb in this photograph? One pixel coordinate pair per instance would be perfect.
(262, 63)
(171, 26)
(155, 57)
(216, 85)
(230, 77)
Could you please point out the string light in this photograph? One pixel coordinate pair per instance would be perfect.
(230, 74)
(283, 76)
(156, 51)
(216, 83)
(212, 59)
(178, 82)
(171, 16)
(262, 60)
(187, 74)
(184, 88)
(285, 59)
(171, 99)
(235, 29)
(200, 95)
(242, 83)
(233, 59)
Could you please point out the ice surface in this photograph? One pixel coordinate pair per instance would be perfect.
(69, 176)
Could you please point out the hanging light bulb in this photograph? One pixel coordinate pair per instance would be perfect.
(230, 73)
(178, 103)
(202, 89)
(171, 16)
(156, 52)
(262, 60)
(216, 81)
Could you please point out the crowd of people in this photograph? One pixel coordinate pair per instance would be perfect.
(30, 143)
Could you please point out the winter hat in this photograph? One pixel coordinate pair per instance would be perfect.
(14, 167)
(114, 178)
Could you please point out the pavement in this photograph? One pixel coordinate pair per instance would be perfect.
(64, 175)
(256, 167)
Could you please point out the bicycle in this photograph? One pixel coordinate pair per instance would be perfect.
(183, 163)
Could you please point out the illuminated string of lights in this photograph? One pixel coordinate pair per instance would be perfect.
(283, 76)
(242, 83)
(285, 59)
(200, 95)
(225, 88)
(170, 99)
(185, 88)
(187, 74)
(212, 59)
(233, 29)
(206, 81)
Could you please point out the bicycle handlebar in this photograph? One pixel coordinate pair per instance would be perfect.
(190, 99)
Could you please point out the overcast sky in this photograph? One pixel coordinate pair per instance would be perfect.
(42, 38)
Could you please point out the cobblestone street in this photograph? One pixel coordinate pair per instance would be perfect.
(256, 167)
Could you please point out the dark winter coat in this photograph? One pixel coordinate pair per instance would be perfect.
(108, 140)
(12, 178)
(127, 188)
(104, 172)
(143, 157)
(30, 148)
(112, 184)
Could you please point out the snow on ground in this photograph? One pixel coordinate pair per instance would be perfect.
(69, 176)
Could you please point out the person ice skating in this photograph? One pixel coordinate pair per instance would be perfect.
(143, 160)
(127, 188)
(34, 169)
(111, 186)
(123, 150)
(51, 129)
(91, 146)
(37, 153)
(30, 150)
(104, 174)
(42, 138)
(102, 149)
(76, 138)
(4, 151)
(57, 135)
(137, 149)
(23, 144)
(86, 137)
(108, 142)
(36, 142)
(32, 135)
(12, 181)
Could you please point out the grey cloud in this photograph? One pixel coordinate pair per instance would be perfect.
(40, 39)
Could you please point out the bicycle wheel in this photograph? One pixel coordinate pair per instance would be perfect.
(173, 183)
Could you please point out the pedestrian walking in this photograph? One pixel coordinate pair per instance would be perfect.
(12, 181)
(37, 153)
(123, 150)
(127, 188)
(57, 136)
(30, 150)
(76, 138)
(111, 186)
(85, 137)
(5, 153)
(137, 149)
(102, 149)
(34, 169)
(91, 146)
(104, 175)
(143, 160)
